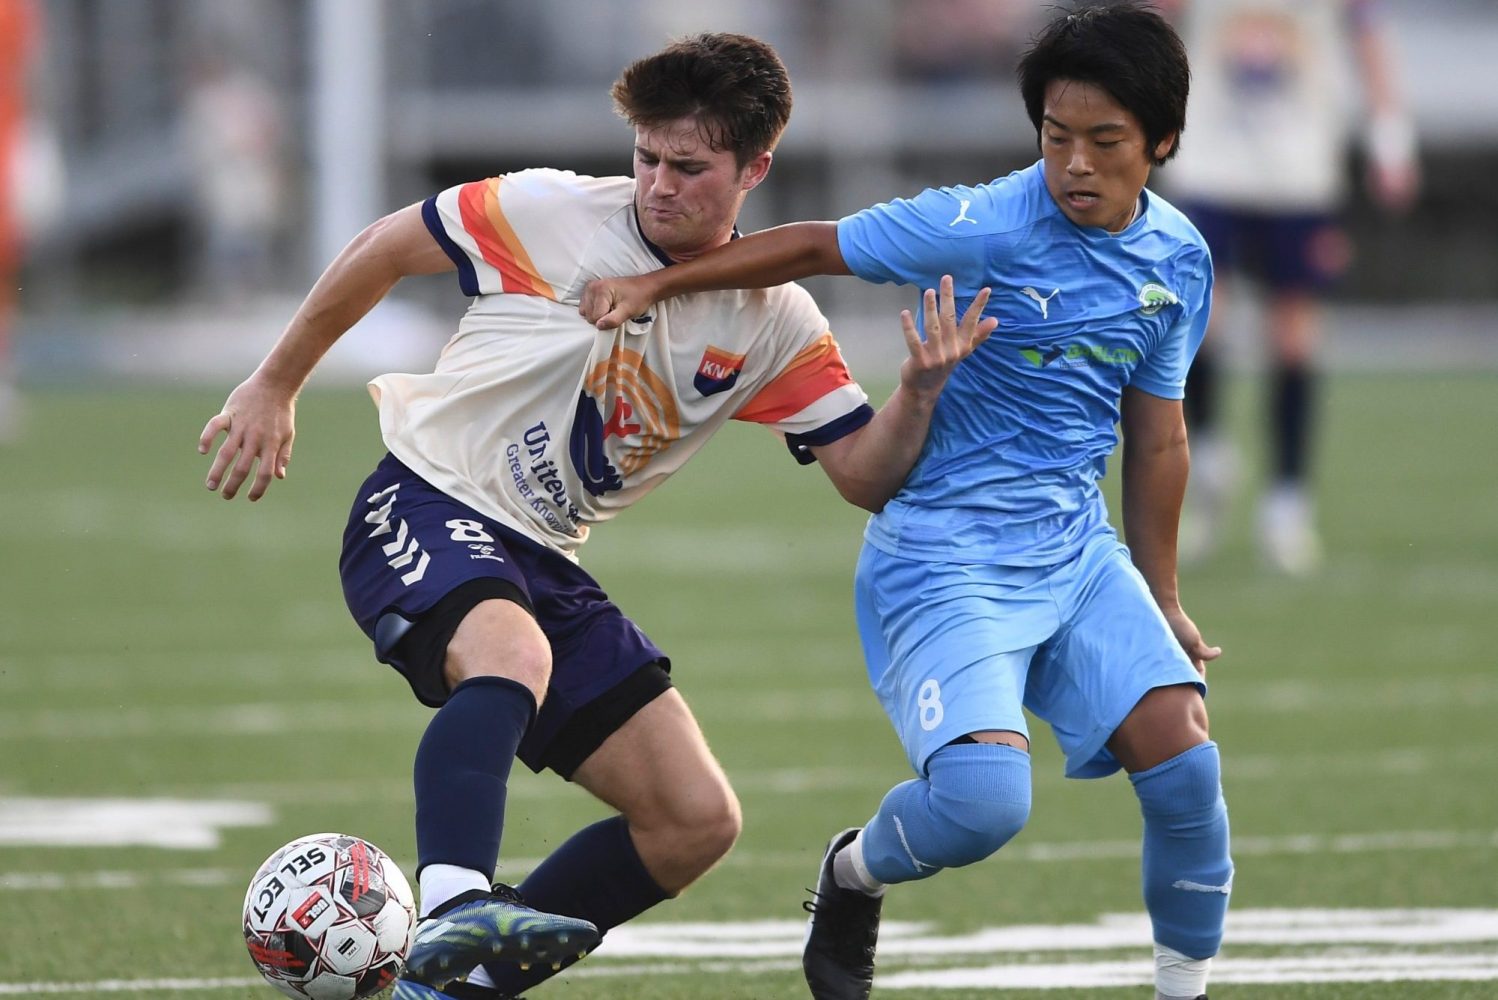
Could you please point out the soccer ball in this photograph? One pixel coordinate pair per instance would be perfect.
(329, 917)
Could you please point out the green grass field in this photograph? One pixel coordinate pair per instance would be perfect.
(191, 662)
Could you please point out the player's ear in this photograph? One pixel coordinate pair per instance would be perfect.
(1166, 146)
(755, 170)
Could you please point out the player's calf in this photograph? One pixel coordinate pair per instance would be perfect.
(1188, 872)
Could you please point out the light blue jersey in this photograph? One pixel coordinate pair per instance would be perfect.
(1021, 435)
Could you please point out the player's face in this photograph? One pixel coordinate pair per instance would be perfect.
(687, 193)
(1096, 157)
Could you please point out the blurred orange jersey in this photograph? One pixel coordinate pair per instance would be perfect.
(17, 29)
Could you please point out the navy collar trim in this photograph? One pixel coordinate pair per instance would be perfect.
(660, 254)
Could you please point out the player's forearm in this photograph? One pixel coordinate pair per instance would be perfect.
(761, 260)
(872, 464)
(1154, 485)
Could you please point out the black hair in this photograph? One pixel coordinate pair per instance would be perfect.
(1125, 48)
(735, 86)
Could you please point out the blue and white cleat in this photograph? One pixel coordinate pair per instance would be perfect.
(477, 927)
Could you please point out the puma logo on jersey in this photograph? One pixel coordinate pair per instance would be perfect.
(962, 215)
(1043, 301)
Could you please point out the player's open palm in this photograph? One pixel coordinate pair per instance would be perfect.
(258, 422)
(947, 341)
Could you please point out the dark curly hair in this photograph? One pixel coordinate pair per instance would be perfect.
(1125, 48)
(734, 85)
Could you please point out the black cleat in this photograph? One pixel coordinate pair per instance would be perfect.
(478, 927)
(841, 934)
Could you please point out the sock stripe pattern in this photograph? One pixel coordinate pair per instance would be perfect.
(1187, 870)
(461, 770)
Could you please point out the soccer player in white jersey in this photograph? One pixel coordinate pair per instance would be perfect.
(1264, 179)
(993, 581)
(459, 557)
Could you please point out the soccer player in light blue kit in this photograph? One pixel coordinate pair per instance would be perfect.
(993, 581)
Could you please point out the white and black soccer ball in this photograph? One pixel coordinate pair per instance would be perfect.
(329, 917)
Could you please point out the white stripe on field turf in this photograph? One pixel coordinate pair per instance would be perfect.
(514, 868)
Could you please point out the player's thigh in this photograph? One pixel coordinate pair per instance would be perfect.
(421, 571)
(657, 770)
(948, 646)
(1114, 648)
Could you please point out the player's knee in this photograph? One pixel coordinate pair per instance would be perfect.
(499, 638)
(980, 793)
(703, 823)
(1187, 785)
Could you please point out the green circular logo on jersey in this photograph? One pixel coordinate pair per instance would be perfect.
(1153, 297)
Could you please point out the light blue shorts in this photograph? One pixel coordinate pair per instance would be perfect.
(956, 648)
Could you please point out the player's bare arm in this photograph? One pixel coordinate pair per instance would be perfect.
(1156, 461)
(258, 419)
(761, 260)
(869, 465)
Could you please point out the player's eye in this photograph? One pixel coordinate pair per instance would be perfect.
(1109, 144)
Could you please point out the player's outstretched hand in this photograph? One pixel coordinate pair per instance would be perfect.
(947, 341)
(1190, 638)
(609, 303)
(259, 423)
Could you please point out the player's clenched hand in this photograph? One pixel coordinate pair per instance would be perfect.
(609, 303)
(947, 341)
(1190, 638)
(259, 423)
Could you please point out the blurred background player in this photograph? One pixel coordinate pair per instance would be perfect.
(1263, 179)
(17, 34)
(994, 583)
(460, 556)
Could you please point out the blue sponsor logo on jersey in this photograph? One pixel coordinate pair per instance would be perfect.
(589, 460)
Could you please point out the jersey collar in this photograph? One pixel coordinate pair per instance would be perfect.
(660, 254)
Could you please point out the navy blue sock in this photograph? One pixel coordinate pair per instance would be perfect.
(462, 765)
(596, 875)
(1292, 390)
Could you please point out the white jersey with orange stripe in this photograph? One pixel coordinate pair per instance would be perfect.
(536, 418)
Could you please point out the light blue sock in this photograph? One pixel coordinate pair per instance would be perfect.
(975, 798)
(1187, 869)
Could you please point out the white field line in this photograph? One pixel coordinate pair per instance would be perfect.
(133, 986)
(1388, 968)
(513, 868)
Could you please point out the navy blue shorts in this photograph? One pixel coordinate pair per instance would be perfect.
(1288, 251)
(409, 546)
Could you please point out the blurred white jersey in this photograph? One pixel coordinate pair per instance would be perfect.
(541, 421)
(1268, 122)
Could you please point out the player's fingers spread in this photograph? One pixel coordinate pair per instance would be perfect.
(215, 426)
(227, 453)
(239, 473)
(974, 313)
(912, 335)
(261, 482)
(948, 298)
